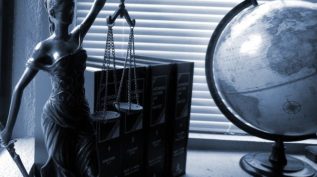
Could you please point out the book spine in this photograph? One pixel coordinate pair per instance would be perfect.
(132, 132)
(179, 117)
(108, 132)
(108, 148)
(155, 119)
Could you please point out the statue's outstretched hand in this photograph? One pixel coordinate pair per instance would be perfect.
(5, 137)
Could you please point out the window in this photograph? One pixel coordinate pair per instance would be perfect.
(173, 29)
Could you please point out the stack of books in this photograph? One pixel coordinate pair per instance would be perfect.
(153, 143)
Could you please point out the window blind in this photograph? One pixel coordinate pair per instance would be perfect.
(172, 29)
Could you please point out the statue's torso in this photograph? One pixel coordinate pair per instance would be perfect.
(67, 105)
(67, 77)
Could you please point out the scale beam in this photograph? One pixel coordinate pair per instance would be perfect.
(122, 12)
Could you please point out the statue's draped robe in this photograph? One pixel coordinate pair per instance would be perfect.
(68, 133)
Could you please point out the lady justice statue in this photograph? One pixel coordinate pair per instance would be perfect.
(68, 134)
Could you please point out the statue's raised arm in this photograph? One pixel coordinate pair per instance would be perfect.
(82, 29)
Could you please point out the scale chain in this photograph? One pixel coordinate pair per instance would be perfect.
(114, 61)
(106, 68)
(132, 75)
(121, 80)
(123, 75)
(135, 78)
(129, 76)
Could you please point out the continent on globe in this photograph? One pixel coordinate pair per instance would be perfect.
(264, 66)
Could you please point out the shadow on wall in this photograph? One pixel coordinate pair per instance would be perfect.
(30, 27)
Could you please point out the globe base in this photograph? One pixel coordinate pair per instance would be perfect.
(259, 164)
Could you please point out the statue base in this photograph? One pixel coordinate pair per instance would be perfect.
(259, 164)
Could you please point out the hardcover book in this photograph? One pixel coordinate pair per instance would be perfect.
(107, 130)
(178, 113)
(155, 112)
(154, 143)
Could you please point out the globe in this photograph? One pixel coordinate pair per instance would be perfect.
(261, 69)
(265, 64)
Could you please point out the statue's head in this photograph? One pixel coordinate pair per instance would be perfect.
(60, 11)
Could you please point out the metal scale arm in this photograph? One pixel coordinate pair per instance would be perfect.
(122, 12)
(127, 107)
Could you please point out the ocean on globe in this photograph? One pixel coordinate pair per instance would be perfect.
(265, 65)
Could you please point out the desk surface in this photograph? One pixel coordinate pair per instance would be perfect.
(203, 163)
(200, 163)
(23, 147)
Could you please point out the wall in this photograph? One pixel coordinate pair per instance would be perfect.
(30, 27)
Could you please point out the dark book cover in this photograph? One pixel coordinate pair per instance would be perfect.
(178, 114)
(132, 131)
(107, 130)
(155, 112)
(157, 132)
(128, 146)
(178, 111)
(180, 117)
(108, 145)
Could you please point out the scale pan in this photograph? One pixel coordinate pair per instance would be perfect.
(105, 115)
(128, 107)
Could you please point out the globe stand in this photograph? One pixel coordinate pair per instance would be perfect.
(276, 164)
